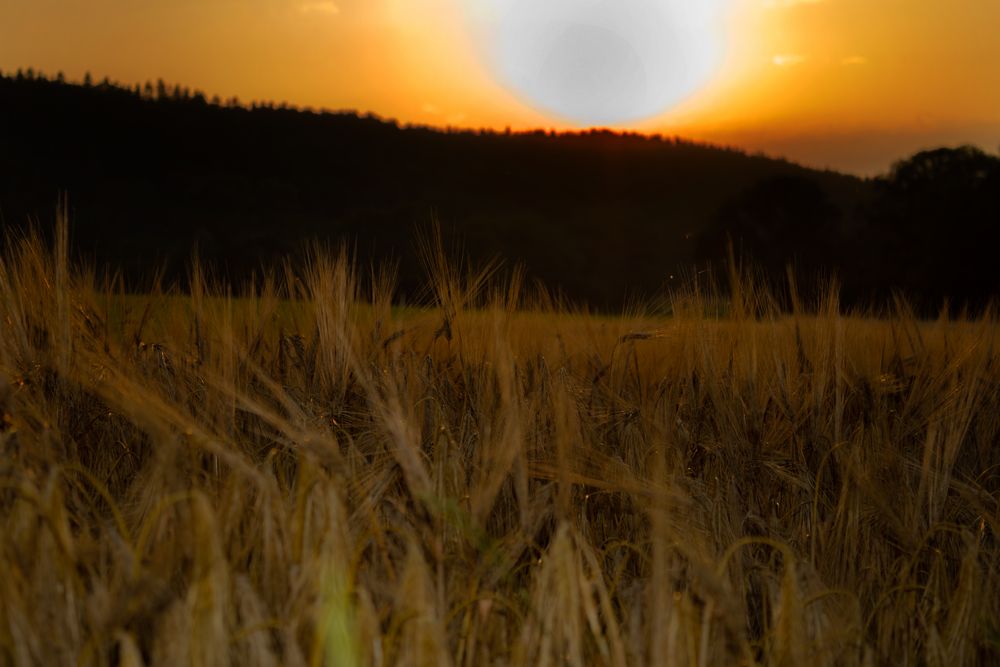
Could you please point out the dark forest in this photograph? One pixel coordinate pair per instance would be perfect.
(151, 173)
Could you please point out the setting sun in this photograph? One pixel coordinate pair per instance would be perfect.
(601, 62)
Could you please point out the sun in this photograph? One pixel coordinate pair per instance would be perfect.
(600, 62)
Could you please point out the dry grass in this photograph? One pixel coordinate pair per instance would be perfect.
(306, 476)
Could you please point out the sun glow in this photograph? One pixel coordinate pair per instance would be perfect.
(845, 84)
(601, 61)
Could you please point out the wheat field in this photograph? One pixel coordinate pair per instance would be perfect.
(308, 475)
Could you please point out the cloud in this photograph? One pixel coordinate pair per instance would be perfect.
(786, 4)
(787, 59)
(328, 7)
(853, 61)
(451, 118)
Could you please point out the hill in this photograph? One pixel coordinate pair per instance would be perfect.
(150, 172)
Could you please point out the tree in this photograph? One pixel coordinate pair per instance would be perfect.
(934, 226)
(88, 81)
(782, 220)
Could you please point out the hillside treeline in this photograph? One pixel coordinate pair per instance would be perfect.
(929, 229)
(152, 171)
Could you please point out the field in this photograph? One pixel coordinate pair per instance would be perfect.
(306, 475)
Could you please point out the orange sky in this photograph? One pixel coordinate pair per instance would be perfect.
(850, 84)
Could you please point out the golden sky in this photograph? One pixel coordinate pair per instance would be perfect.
(850, 84)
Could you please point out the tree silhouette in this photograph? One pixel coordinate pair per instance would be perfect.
(781, 221)
(599, 215)
(934, 226)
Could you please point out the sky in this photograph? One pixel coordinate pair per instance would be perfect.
(847, 84)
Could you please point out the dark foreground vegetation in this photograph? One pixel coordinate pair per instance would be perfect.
(308, 476)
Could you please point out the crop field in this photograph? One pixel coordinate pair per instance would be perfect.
(307, 475)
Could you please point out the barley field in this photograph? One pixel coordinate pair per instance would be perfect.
(308, 475)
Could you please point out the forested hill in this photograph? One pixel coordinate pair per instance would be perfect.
(150, 172)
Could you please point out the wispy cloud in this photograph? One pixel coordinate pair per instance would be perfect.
(328, 7)
(785, 4)
(451, 118)
(853, 61)
(787, 59)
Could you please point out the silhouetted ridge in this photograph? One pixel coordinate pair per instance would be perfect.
(151, 170)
